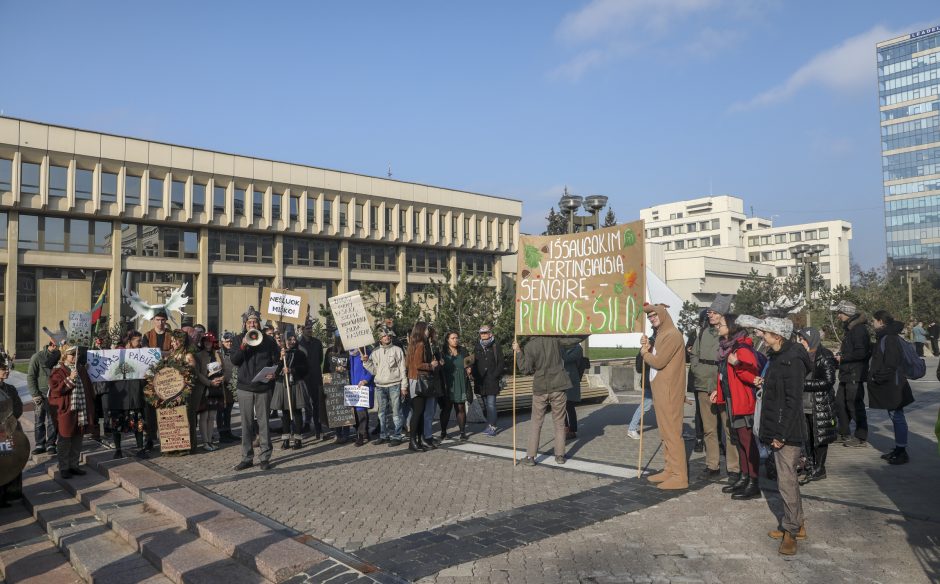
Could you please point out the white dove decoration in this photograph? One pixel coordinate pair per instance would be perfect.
(175, 302)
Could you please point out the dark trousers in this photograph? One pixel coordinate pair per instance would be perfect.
(748, 453)
(312, 414)
(850, 405)
(45, 423)
(150, 422)
(572, 416)
(417, 417)
(362, 422)
(291, 423)
(817, 453)
(699, 428)
(934, 348)
(223, 419)
(920, 349)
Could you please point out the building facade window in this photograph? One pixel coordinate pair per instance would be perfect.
(58, 181)
(402, 221)
(109, 187)
(796, 236)
(780, 238)
(342, 214)
(373, 218)
(667, 231)
(327, 212)
(131, 190)
(360, 211)
(3, 230)
(155, 196)
(218, 200)
(29, 178)
(276, 206)
(238, 201)
(293, 211)
(64, 234)
(303, 251)
(754, 257)
(426, 261)
(475, 264)
(177, 195)
(372, 257)
(257, 203)
(311, 211)
(159, 241)
(199, 197)
(6, 175)
(83, 184)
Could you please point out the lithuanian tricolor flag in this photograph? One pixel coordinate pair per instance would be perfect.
(96, 309)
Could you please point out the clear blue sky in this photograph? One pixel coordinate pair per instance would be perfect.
(646, 101)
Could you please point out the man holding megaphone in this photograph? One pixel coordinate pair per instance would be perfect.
(252, 352)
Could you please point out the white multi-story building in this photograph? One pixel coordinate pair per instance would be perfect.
(710, 245)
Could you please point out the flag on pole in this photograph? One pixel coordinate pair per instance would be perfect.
(99, 304)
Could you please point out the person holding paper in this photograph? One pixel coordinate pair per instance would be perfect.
(361, 376)
(291, 416)
(254, 397)
(72, 397)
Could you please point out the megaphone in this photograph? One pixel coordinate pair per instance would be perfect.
(253, 337)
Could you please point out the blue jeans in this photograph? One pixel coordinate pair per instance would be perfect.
(489, 409)
(430, 409)
(388, 403)
(900, 427)
(647, 406)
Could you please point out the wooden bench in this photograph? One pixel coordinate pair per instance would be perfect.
(524, 392)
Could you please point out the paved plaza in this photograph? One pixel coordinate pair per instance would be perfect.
(463, 513)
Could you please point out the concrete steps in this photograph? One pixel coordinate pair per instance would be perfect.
(125, 522)
(27, 555)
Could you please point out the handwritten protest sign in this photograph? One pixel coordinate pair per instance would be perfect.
(79, 329)
(121, 364)
(168, 383)
(590, 282)
(352, 320)
(174, 429)
(284, 305)
(338, 414)
(356, 396)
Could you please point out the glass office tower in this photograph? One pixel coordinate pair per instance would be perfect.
(909, 93)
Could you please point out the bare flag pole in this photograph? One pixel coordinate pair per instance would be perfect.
(514, 340)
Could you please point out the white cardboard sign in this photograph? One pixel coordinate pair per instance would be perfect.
(121, 364)
(356, 396)
(352, 320)
(79, 329)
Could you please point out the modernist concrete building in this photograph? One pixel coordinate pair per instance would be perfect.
(909, 99)
(710, 245)
(81, 208)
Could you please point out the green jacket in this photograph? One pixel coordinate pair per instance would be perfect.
(37, 376)
(703, 364)
(541, 358)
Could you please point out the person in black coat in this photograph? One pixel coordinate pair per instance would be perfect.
(853, 367)
(255, 398)
(782, 425)
(488, 374)
(124, 401)
(888, 389)
(312, 348)
(818, 403)
(933, 333)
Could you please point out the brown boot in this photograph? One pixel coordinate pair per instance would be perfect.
(660, 477)
(674, 483)
(787, 545)
(778, 533)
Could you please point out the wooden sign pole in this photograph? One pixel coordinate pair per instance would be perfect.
(639, 460)
(287, 388)
(514, 340)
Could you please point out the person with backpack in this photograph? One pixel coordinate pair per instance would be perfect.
(738, 365)
(888, 387)
(853, 364)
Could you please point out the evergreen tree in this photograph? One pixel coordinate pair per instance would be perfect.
(610, 219)
(557, 223)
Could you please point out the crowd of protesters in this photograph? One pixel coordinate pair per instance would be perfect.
(761, 390)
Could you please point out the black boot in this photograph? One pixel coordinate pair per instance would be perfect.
(298, 444)
(412, 445)
(116, 436)
(419, 441)
(285, 445)
(733, 482)
(751, 491)
(738, 485)
(699, 446)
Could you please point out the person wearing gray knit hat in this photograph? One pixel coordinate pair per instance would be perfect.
(721, 304)
(779, 326)
(845, 307)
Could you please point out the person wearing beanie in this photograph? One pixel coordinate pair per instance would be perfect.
(668, 382)
(295, 388)
(888, 388)
(782, 426)
(853, 367)
(819, 402)
(704, 369)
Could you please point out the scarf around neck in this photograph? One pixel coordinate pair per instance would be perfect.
(78, 398)
(726, 345)
(487, 342)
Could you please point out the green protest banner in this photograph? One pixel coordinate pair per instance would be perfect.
(592, 282)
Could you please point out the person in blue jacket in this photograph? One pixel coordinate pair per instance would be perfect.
(359, 375)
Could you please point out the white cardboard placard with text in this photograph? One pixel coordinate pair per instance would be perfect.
(352, 320)
(356, 396)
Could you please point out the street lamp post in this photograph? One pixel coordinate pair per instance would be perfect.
(910, 272)
(805, 255)
(593, 204)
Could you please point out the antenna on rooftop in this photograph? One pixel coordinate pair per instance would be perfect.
(711, 192)
(752, 210)
(389, 170)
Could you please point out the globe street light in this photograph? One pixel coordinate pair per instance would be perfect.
(805, 255)
(593, 204)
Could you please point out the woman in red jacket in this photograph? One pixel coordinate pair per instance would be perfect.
(72, 396)
(737, 368)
